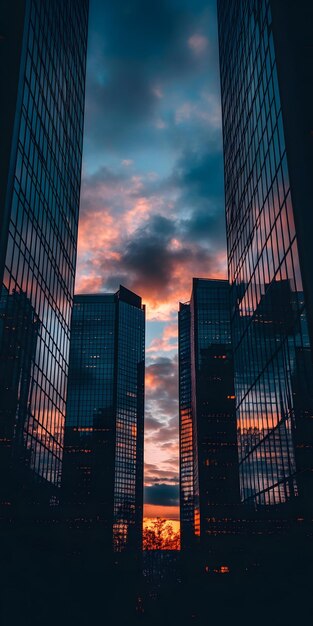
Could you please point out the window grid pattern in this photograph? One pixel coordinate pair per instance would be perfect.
(103, 459)
(213, 406)
(41, 249)
(269, 324)
(129, 426)
(209, 482)
(89, 429)
(185, 428)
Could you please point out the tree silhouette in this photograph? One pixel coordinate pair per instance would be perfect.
(160, 535)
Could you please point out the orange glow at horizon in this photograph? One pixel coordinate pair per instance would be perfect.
(152, 199)
(101, 256)
(148, 521)
(152, 511)
(161, 534)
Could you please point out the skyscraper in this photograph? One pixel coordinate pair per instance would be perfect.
(43, 58)
(266, 85)
(187, 511)
(103, 456)
(209, 481)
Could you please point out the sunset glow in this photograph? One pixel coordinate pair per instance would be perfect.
(156, 312)
(147, 523)
(152, 511)
(161, 534)
(152, 206)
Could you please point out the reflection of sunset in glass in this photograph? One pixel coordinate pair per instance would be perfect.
(156, 397)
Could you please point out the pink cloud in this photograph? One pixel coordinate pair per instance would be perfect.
(198, 44)
(116, 243)
(166, 343)
(156, 474)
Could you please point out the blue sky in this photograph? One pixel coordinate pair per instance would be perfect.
(152, 202)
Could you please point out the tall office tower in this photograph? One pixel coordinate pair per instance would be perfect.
(186, 452)
(209, 480)
(266, 84)
(42, 65)
(103, 455)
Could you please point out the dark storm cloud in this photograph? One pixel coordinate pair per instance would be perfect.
(162, 494)
(148, 254)
(112, 282)
(152, 260)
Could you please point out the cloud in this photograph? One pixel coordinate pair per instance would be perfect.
(117, 107)
(162, 388)
(152, 205)
(153, 511)
(162, 494)
(151, 424)
(136, 54)
(131, 232)
(198, 44)
(151, 228)
(199, 173)
(161, 436)
(166, 343)
(153, 475)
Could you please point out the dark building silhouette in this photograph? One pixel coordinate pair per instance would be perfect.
(19, 332)
(266, 84)
(103, 455)
(209, 479)
(187, 511)
(42, 64)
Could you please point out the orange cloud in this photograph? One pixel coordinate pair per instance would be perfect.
(87, 284)
(126, 236)
(166, 343)
(151, 381)
(96, 230)
(162, 305)
(131, 233)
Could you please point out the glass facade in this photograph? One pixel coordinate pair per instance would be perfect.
(129, 423)
(272, 354)
(185, 428)
(207, 412)
(39, 217)
(103, 456)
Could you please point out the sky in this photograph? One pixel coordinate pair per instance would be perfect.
(152, 198)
